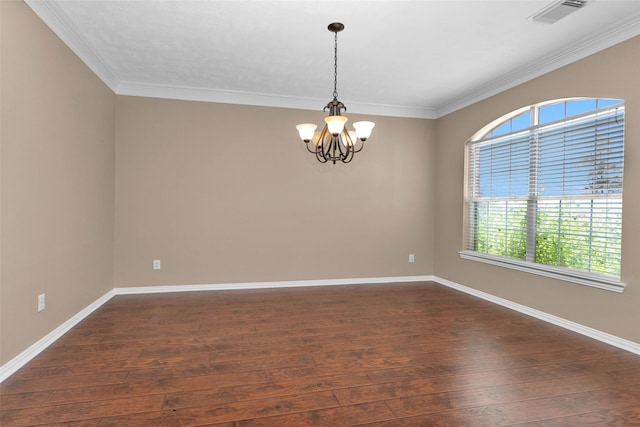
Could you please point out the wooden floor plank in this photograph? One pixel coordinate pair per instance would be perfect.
(268, 389)
(259, 408)
(377, 355)
(80, 411)
(335, 417)
(623, 417)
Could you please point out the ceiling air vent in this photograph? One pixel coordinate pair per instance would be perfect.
(557, 10)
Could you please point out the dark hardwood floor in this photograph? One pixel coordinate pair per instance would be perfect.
(376, 355)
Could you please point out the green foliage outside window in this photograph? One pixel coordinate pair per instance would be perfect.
(574, 234)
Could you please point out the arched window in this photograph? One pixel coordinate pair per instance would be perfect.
(544, 191)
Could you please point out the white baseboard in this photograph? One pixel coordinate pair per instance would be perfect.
(23, 358)
(631, 346)
(20, 360)
(270, 285)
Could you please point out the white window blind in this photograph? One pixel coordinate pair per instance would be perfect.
(551, 194)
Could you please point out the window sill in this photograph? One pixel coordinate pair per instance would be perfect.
(587, 279)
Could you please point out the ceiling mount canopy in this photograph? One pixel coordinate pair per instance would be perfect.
(335, 143)
(336, 27)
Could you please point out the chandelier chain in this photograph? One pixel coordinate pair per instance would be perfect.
(335, 66)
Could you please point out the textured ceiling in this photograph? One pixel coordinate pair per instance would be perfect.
(401, 58)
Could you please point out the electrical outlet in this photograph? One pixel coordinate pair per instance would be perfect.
(156, 264)
(40, 302)
(412, 258)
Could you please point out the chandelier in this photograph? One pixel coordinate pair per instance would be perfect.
(335, 143)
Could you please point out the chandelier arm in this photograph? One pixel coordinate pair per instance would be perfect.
(346, 136)
(354, 142)
(321, 158)
(330, 152)
(306, 144)
(321, 154)
(342, 149)
(348, 156)
(361, 146)
(351, 143)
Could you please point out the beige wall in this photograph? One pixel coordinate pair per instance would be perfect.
(57, 181)
(228, 193)
(613, 73)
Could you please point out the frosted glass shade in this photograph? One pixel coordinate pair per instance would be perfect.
(316, 138)
(353, 137)
(306, 131)
(363, 129)
(335, 124)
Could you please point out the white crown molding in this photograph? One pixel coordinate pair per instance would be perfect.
(610, 36)
(186, 93)
(58, 22)
(23, 358)
(392, 110)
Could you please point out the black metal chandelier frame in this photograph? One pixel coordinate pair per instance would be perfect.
(335, 144)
